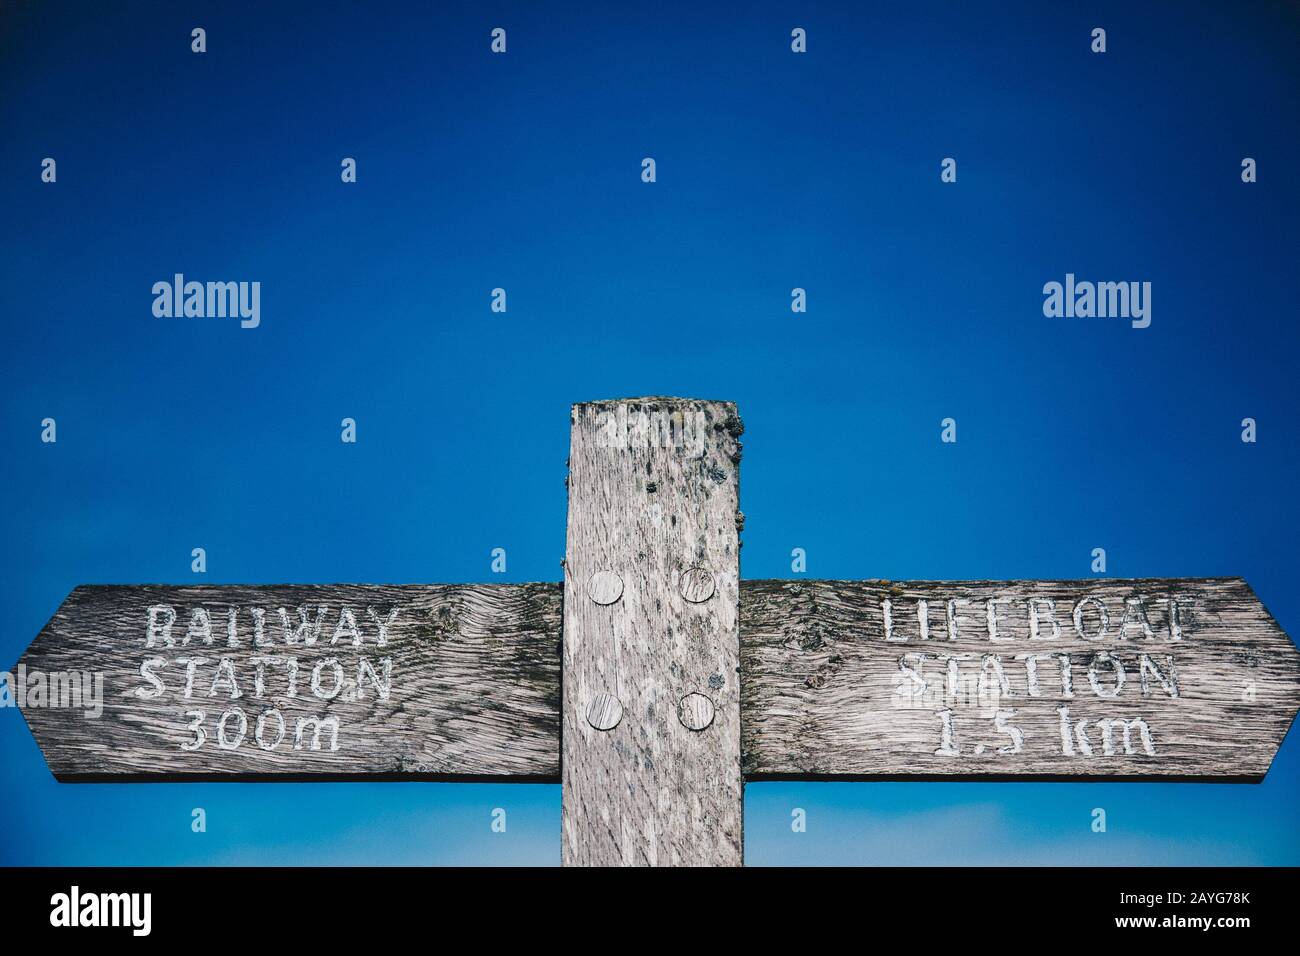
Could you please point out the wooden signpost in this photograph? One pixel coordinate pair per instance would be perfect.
(653, 682)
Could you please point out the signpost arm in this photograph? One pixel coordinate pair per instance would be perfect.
(651, 682)
(1155, 679)
(282, 682)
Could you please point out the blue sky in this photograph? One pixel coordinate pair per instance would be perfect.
(522, 171)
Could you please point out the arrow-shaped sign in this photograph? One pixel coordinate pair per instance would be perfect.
(421, 681)
(1112, 679)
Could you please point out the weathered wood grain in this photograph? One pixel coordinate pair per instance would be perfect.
(463, 682)
(652, 776)
(475, 682)
(831, 689)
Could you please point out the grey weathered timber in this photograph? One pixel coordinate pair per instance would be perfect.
(276, 682)
(474, 681)
(651, 712)
(1111, 679)
(676, 679)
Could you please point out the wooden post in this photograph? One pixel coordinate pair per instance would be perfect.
(651, 669)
